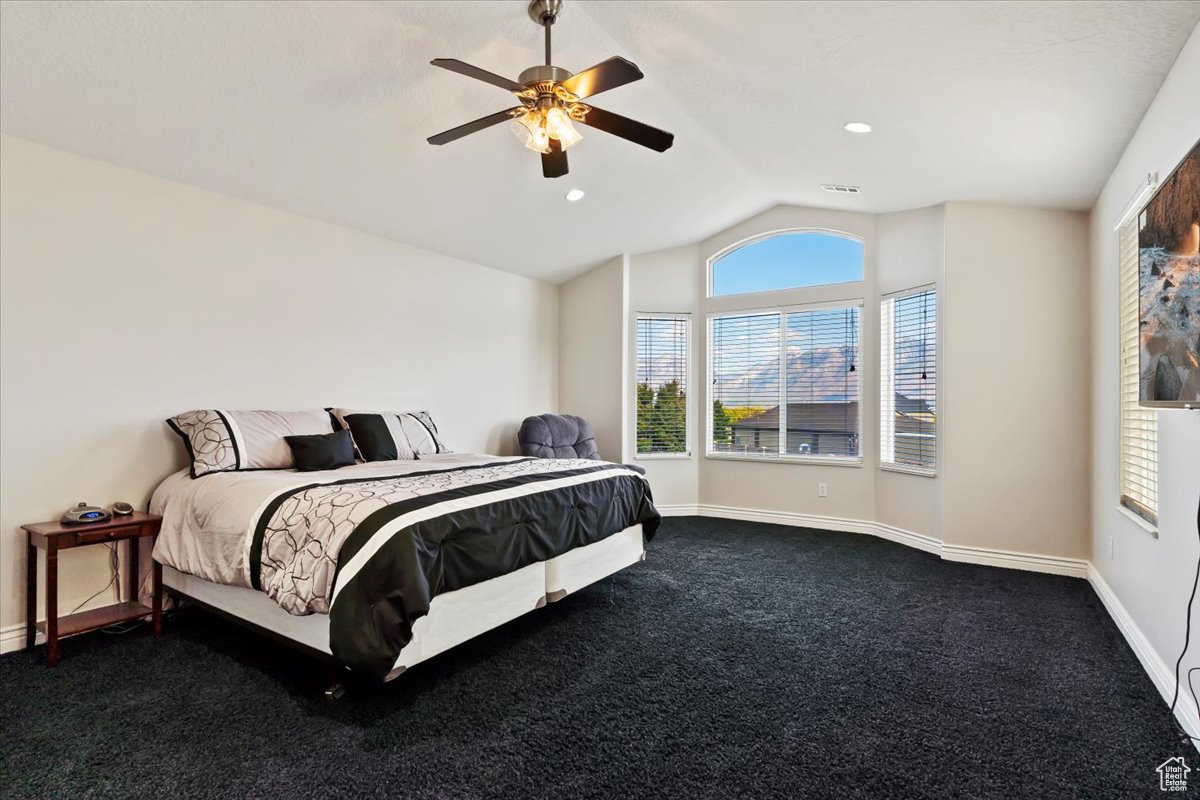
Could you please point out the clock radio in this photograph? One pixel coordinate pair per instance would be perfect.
(84, 513)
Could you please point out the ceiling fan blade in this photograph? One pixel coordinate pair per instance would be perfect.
(554, 163)
(606, 75)
(626, 128)
(463, 68)
(472, 127)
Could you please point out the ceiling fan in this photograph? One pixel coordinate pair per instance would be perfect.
(551, 101)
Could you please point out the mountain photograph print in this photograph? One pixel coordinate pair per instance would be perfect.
(1169, 290)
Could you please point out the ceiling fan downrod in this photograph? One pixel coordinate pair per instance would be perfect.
(545, 13)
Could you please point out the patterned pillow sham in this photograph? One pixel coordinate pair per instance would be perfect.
(230, 441)
(388, 435)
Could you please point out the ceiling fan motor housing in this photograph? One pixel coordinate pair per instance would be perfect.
(543, 74)
(541, 11)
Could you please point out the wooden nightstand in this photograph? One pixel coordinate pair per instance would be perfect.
(55, 536)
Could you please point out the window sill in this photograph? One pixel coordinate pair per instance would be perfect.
(924, 473)
(1136, 520)
(826, 461)
(662, 456)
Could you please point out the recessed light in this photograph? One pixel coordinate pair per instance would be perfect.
(857, 127)
(574, 195)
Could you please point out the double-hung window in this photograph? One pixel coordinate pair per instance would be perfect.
(785, 384)
(1139, 426)
(908, 381)
(662, 384)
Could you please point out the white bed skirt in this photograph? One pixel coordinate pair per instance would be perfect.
(453, 617)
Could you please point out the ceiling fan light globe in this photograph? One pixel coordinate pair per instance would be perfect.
(530, 132)
(568, 136)
(558, 126)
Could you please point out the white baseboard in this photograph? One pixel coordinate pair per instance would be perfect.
(1159, 671)
(12, 638)
(899, 535)
(1054, 565)
(678, 511)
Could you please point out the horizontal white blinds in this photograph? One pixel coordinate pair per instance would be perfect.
(662, 356)
(1139, 426)
(908, 386)
(785, 383)
(822, 414)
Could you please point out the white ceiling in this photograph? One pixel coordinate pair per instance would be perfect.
(322, 109)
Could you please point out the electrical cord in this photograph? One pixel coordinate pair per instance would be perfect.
(1187, 638)
(112, 564)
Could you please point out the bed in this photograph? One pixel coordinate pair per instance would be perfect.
(379, 566)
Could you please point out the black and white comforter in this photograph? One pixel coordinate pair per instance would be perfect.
(373, 550)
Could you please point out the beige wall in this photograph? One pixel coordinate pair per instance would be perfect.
(1016, 376)
(157, 298)
(910, 251)
(592, 352)
(1150, 576)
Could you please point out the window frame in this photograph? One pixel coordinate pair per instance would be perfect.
(758, 237)
(1139, 516)
(689, 443)
(886, 380)
(783, 310)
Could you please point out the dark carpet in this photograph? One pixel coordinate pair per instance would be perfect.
(740, 660)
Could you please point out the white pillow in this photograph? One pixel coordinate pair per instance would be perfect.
(230, 441)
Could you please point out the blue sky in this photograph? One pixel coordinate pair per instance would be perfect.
(788, 261)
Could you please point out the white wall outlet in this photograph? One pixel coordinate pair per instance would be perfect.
(1112, 549)
(822, 490)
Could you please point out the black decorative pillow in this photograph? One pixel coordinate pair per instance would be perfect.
(409, 434)
(372, 437)
(323, 451)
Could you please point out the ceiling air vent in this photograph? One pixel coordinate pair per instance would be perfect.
(837, 189)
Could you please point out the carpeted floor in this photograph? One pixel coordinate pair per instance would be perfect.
(740, 660)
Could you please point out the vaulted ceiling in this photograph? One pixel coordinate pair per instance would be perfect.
(322, 109)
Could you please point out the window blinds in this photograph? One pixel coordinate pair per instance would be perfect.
(908, 380)
(786, 383)
(1139, 426)
(662, 356)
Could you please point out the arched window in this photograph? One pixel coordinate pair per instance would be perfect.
(788, 260)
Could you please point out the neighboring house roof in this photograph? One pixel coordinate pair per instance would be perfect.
(916, 415)
(911, 405)
(819, 417)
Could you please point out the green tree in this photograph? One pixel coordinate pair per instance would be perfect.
(739, 413)
(645, 413)
(670, 414)
(661, 418)
(720, 423)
